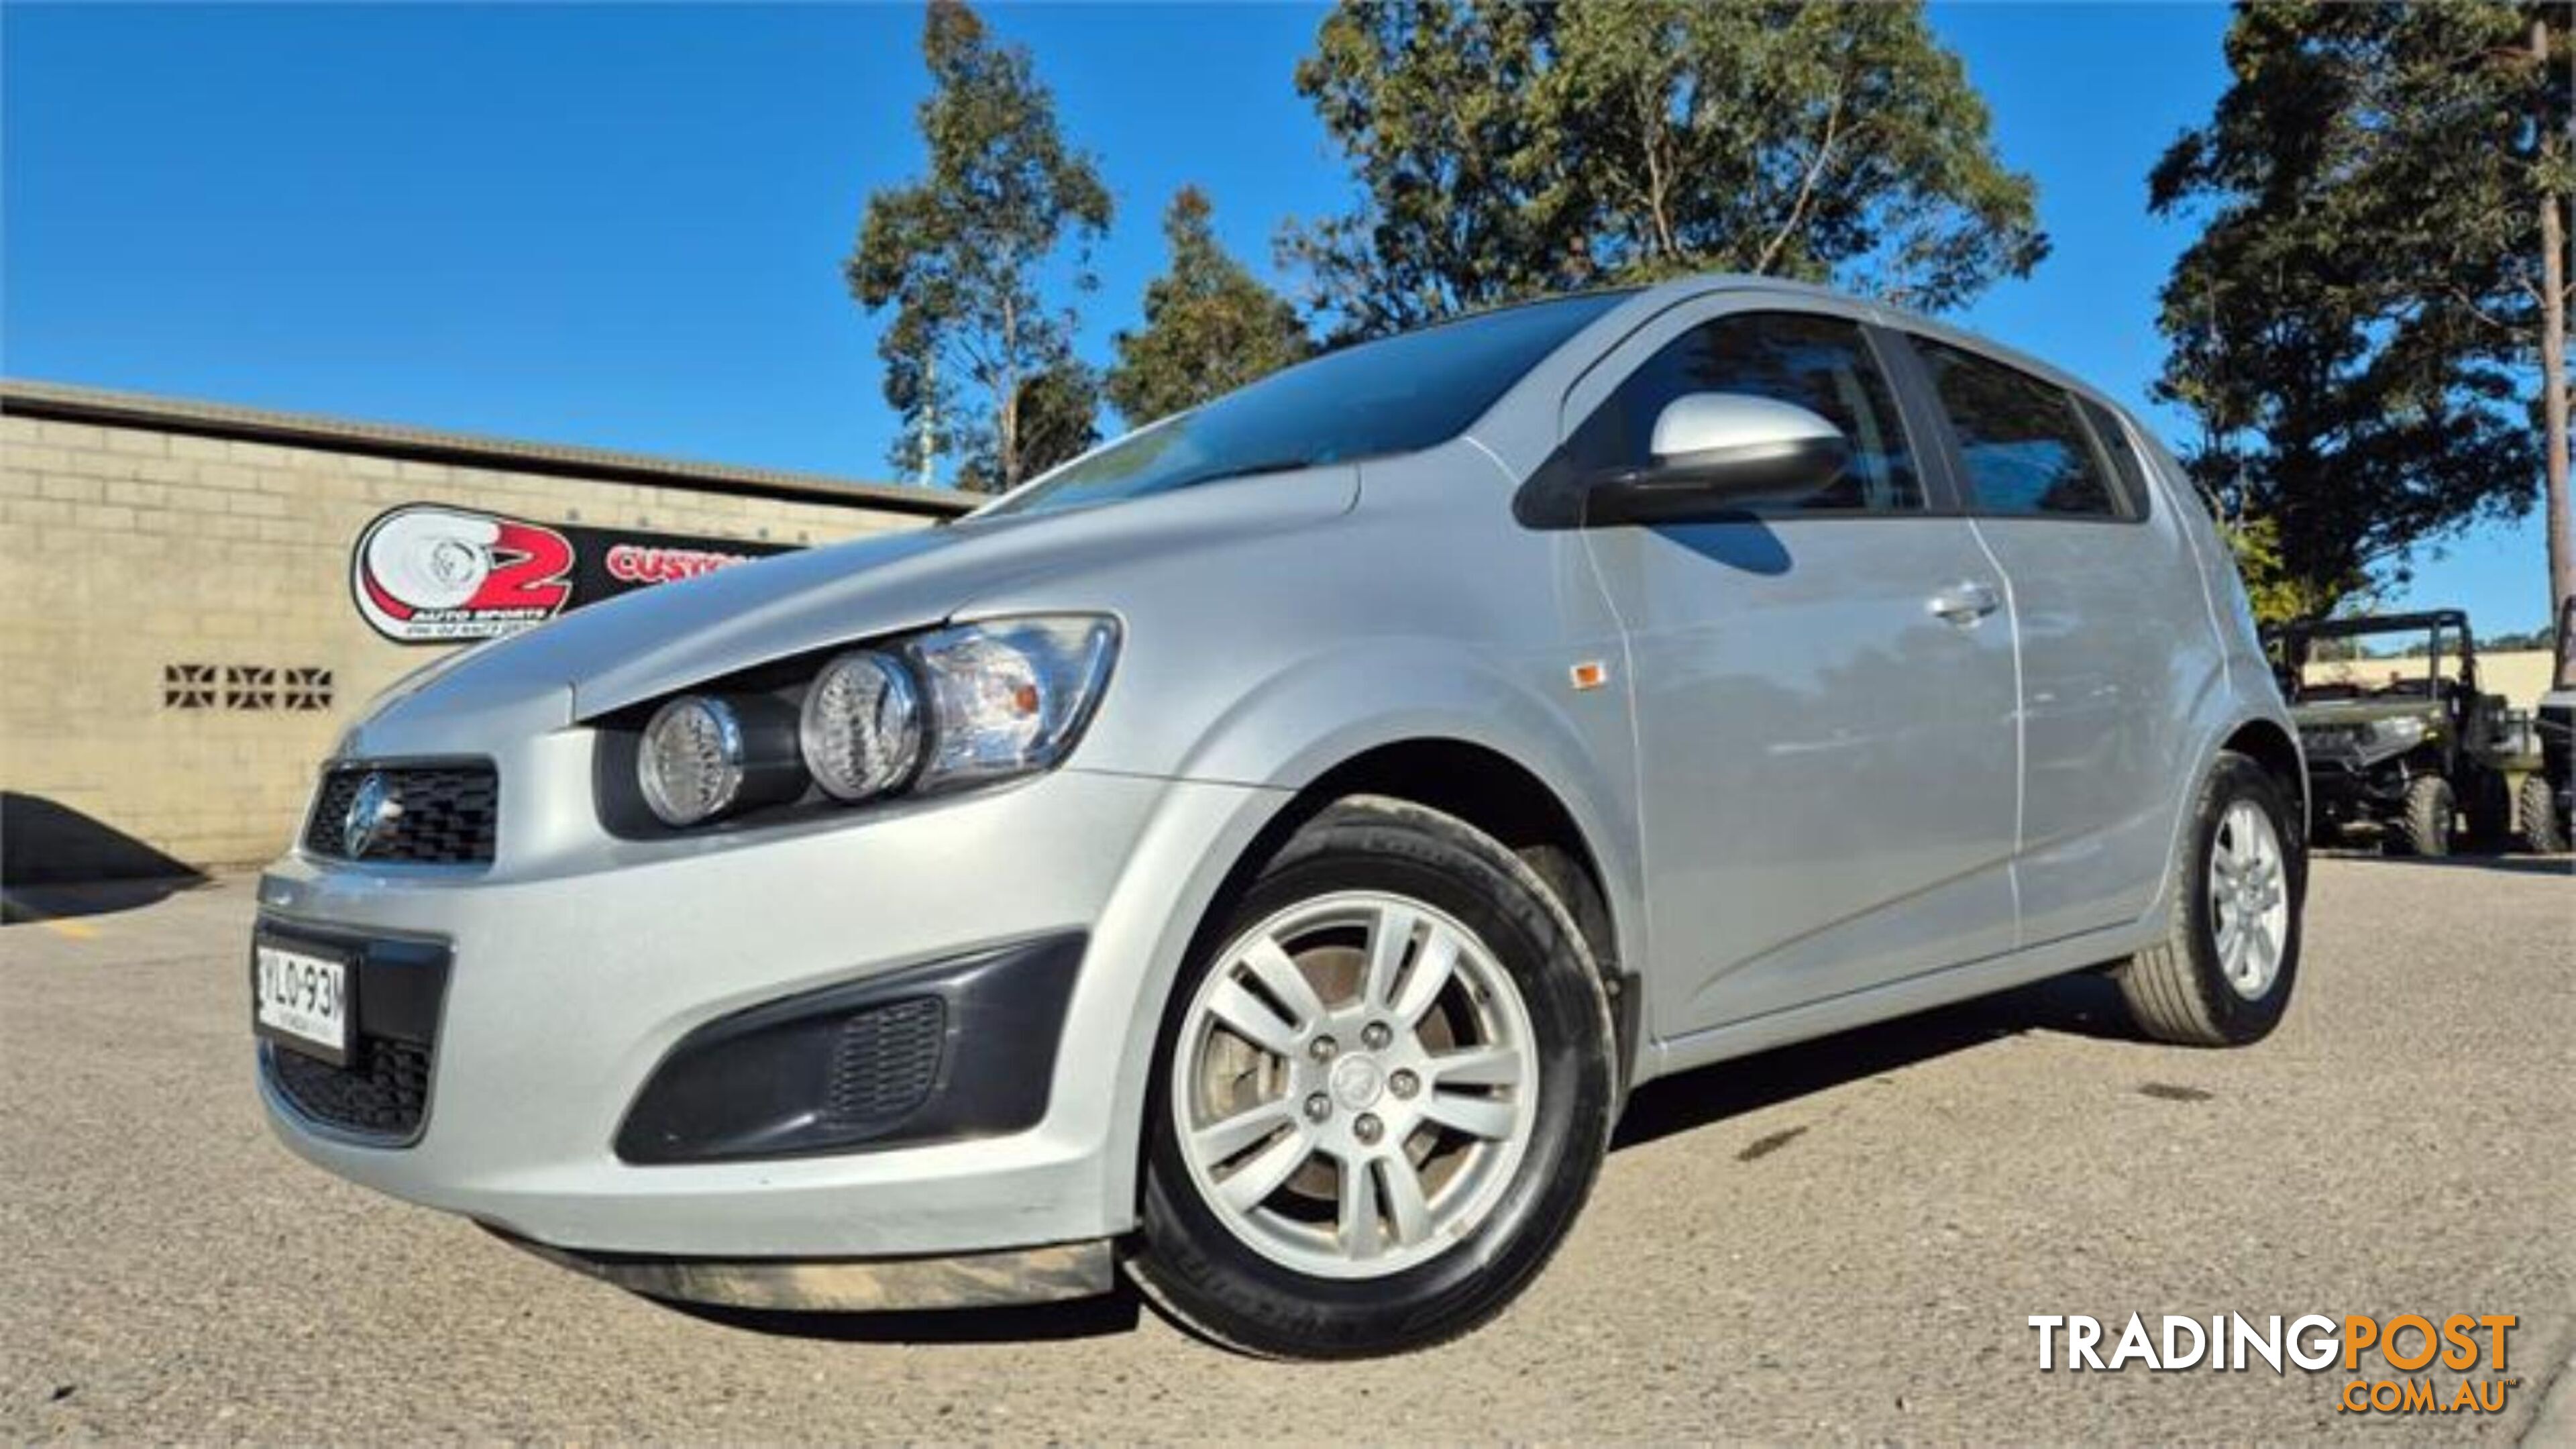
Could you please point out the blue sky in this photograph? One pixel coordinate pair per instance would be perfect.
(623, 225)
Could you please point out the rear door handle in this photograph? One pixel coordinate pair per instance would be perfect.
(1965, 603)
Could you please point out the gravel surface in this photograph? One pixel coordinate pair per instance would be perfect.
(1839, 1241)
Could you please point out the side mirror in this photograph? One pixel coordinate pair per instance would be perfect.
(1719, 452)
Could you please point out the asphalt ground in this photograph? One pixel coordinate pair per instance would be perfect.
(1840, 1241)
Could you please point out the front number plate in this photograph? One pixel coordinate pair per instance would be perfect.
(301, 1000)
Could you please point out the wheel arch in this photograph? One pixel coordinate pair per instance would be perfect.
(2267, 739)
(1475, 783)
(1487, 739)
(2268, 744)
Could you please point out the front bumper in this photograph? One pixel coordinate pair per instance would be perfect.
(1050, 1274)
(575, 970)
(2346, 785)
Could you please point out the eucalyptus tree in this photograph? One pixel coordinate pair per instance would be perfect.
(2371, 326)
(960, 258)
(1502, 150)
(1210, 325)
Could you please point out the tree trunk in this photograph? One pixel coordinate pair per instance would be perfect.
(929, 453)
(1006, 432)
(2553, 385)
(1006, 406)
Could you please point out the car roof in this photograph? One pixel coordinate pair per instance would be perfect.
(1651, 300)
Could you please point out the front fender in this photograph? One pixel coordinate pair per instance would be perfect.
(1323, 710)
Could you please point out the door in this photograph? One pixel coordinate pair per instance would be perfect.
(1823, 694)
(2115, 640)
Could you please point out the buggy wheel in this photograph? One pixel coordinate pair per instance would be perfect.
(2542, 830)
(2425, 827)
(2490, 811)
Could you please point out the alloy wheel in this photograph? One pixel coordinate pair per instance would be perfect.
(2249, 899)
(1355, 1083)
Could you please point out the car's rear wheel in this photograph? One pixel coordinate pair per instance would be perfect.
(2224, 972)
(1381, 1096)
(2424, 826)
(2542, 830)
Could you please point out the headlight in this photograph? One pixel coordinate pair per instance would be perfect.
(691, 763)
(943, 710)
(860, 729)
(1009, 696)
(2403, 730)
(702, 755)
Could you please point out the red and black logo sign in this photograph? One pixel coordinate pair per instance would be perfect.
(426, 573)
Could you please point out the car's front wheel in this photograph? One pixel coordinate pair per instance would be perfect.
(1381, 1096)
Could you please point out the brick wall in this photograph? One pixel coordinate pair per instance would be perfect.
(133, 550)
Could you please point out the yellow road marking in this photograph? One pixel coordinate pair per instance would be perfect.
(73, 930)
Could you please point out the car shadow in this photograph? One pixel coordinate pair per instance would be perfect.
(1743, 543)
(57, 863)
(2084, 1004)
(1114, 1312)
(25, 905)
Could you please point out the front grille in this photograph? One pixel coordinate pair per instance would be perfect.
(381, 1093)
(447, 818)
(885, 1062)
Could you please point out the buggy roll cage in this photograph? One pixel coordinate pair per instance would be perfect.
(2291, 643)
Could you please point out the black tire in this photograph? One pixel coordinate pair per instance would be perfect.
(1567, 880)
(2423, 827)
(2175, 990)
(2490, 811)
(2542, 831)
(1197, 1270)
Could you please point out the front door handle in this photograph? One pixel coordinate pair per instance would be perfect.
(1965, 603)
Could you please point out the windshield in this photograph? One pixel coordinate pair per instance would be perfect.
(2333, 665)
(1398, 395)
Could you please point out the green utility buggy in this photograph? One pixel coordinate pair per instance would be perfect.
(2399, 746)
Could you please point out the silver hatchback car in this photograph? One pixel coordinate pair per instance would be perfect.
(1265, 851)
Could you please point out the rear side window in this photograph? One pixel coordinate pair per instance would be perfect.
(1820, 363)
(2027, 450)
(2127, 469)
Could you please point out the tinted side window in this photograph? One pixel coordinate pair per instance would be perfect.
(2127, 469)
(1822, 364)
(2025, 446)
